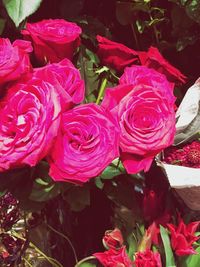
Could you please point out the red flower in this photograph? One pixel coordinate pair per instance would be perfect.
(153, 59)
(53, 39)
(147, 258)
(113, 239)
(114, 258)
(87, 142)
(67, 79)
(187, 155)
(143, 106)
(182, 237)
(153, 208)
(14, 59)
(115, 55)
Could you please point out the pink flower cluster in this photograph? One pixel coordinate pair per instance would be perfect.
(41, 115)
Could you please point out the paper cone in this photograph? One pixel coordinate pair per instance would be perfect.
(186, 182)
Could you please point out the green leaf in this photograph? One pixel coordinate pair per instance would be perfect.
(192, 260)
(140, 24)
(132, 245)
(110, 172)
(44, 188)
(168, 250)
(87, 264)
(78, 197)
(98, 182)
(18, 10)
(193, 10)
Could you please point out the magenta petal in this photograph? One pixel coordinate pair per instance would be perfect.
(134, 163)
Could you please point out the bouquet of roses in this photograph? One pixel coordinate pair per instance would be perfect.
(60, 136)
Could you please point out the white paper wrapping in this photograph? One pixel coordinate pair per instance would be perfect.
(186, 182)
(188, 115)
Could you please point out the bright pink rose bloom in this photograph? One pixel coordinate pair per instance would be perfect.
(113, 239)
(72, 88)
(29, 121)
(114, 258)
(144, 110)
(115, 55)
(14, 59)
(153, 59)
(183, 236)
(86, 144)
(141, 75)
(53, 40)
(147, 258)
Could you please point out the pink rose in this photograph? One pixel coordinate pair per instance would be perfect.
(14, 59)
(69, 81)
(114, 258)
(86, 144)
(153, 59)
(183, 236)
(29, 120)
(147, 258)
(144, 110)
(115, 55)
(53, 40)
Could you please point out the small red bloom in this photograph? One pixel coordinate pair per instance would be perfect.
(114, 258)
(187, 155)
(152, 204)
(153, 207)
(153, 59)
(183, 236)
(147, 258)
(113, 239)
(115, 55)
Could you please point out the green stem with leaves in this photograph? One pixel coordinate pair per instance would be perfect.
(53, 262)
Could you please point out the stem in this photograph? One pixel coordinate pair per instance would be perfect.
(154, 29)
(66, 238)
(27, 262)
(54, 260)
(39, 251)
(84, 260)
(101, 90)
(135, 37)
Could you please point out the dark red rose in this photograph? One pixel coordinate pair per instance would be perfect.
(14, 59)
(153, 59)
(113, 239)
(114, 258)
(53, 40)
(147, 258)
(183, 236)
(115, 55)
